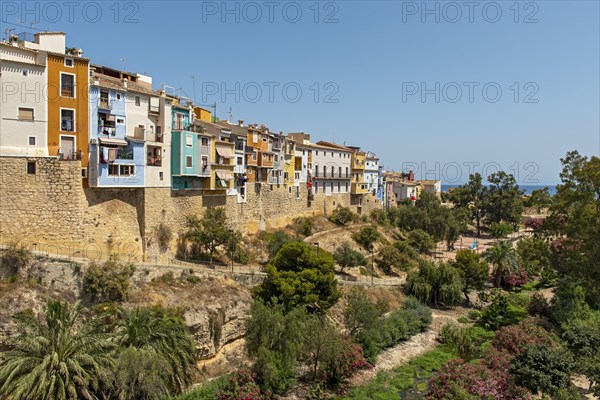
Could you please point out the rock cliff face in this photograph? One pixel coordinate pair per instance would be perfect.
(215, 309)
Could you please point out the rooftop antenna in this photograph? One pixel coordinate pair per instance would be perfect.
(124, 61)
(31, 24)
(230, 116)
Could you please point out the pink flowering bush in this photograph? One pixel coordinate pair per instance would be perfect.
(242, 386)
(515, 338)
(349, 361)
(516, 279)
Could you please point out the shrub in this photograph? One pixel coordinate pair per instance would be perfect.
(379, 216)
(436, 283)
(461, 339)
(539, 306)
(360, 313)
(303, 225)
(13, 260)
(347, 257)
(342, 216)
(544, 369)
(241, 385)
(515, 339)
(515, 279)
(301, 275)
(568, 303)
(421, 241)
(390, 258)
(347, 362)
(276, 240)
(583, 334)
(366, 237)
(506, 309)
(474, 315)
(399, 325)
(500, 230)
(109, 281)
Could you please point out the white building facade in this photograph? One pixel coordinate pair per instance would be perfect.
(331, 172)
(24, 109)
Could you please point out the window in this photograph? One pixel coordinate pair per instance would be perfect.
(68, 62)
(32, 140)
(160, 175)
(31, 167)
(189, 161)
(84, 173)
(240, 161)
(67, 120)
(340, 171)
(346, 186)
(67, 85)
(346, 172)
(126, 170)
(204, 163)
(120, 121)
(189, 140)
(316, 152)
(137, 101)
(158, 130)
(254, 156)
(25, 114)
(331, 187)
(204, 141)
(339, 188)
(113, 170)
(332, 154)
(118, 96)
(324, 170)
(332, 173)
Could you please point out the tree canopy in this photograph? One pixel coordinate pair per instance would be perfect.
(301, 275)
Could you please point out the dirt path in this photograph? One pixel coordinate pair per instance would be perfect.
(410, 349)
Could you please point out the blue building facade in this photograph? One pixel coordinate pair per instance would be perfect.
(190, 152)
(116, 159)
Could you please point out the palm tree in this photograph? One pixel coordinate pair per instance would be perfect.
(161, 331)
(55, 357)
(503, 257)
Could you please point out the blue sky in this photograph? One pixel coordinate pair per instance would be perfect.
(372, 58)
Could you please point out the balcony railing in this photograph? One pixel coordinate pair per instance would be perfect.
(69, 155)
(154, 161)
(332, 176)
(205, 171)
(105, 104)
(107, 130)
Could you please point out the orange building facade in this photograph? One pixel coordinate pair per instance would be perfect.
(68, 108)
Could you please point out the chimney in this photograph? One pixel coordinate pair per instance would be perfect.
(240, 122)
(14, 40)
(78, 53)
(411, 176)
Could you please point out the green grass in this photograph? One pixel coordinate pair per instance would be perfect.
(410, 378)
